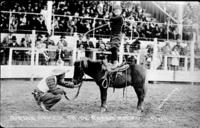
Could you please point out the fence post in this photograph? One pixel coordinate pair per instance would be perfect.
(10, 56)
(121, 50)
(167, 30)
(165, 62)
(52, 25)
(9, 21)
(186, 63)
(192, 52)
(155, 50)
(94, 22)
(49, 16)
(74, 48)
(32, 52)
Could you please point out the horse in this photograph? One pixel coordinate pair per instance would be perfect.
(134, 75)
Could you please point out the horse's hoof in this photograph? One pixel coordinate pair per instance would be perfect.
(103, 109)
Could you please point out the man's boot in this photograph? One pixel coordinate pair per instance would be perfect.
(114, 65)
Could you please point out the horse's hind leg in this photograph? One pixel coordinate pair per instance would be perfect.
(141, 92)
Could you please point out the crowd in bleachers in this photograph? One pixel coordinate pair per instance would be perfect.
(80, 15)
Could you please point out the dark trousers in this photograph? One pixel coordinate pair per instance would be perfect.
(115, 43)
(52, 97)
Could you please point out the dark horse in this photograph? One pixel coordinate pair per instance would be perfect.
(134, 76)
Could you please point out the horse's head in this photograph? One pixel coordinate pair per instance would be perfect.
(78, 72)
(93, 69)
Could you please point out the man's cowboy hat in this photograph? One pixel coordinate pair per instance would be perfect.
(14, 38)
(59, 71)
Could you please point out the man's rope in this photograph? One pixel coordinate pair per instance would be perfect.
(95, 29)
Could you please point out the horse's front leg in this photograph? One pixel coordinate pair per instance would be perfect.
(103, 93)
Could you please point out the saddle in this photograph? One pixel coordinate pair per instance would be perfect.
(110, 76)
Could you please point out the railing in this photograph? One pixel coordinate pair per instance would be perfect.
(22, 56)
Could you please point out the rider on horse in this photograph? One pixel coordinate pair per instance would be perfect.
(116, 23)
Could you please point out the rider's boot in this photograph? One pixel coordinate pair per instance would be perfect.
(110, 68)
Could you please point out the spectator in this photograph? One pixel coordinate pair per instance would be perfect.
(33, 23)
(148, 30)
(56, 24)
(48, 41)
(63, 25)
(14, 43)
(23, 53)
(44, 14)
(41, 47)
(87, 45)
(166, 50)
(187, 49)
(179, 47)
(62, 41)
(135, 33)
(60, 55)
(163, 33)
(100, 41)
(156, 31)
(71, 23)
(141, 31)
(79, 41)
(135, 46)
(175, 59)
(149, 56)
(13, 23)
(81, 52)
(41, 23)
(126, 45)
(22, 22)
(2, 53)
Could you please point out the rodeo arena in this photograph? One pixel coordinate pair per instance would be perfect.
(100, 63)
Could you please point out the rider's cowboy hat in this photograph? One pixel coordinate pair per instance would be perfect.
(59, 71)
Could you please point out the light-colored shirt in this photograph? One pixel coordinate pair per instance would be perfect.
(42, 86)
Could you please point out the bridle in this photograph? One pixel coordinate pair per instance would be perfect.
(80, 84)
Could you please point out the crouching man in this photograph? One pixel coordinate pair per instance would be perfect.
(47, 94)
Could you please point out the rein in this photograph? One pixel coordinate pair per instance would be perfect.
(78, 91)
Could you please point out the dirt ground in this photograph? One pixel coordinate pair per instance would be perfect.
(166, 105)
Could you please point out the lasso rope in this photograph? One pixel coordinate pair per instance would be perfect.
(95, 29)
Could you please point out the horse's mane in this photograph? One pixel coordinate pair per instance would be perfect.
(88, 62)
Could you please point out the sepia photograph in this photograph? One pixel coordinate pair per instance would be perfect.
(84, 63)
